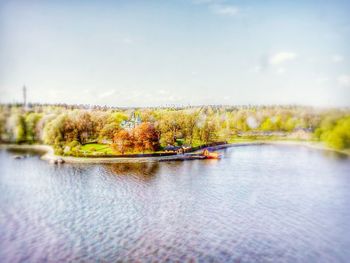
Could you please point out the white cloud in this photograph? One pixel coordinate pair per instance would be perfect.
(337, 58)
(344, 80)
(225, 10)
(106, 94)
(275, 60)
(281, 57)
(219, 7)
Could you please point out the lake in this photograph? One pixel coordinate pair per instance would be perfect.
(264, 203)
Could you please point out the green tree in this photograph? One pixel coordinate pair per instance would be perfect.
(170, 125)
(338, 136)
(31, 121)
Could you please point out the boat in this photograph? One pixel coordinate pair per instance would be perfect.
(211, 155)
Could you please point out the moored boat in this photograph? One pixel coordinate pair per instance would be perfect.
(211, 155)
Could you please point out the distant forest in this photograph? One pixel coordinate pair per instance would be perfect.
(69, 127)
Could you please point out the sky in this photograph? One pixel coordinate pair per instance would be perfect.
(176, 52)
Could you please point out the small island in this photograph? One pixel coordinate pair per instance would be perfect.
(95, 134)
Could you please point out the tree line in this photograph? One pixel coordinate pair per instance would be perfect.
(67, 128)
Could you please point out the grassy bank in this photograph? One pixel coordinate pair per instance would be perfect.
(51, 157)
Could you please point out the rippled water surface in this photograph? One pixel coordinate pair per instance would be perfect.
(257, 204)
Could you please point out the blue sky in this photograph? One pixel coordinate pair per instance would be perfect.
(150, 53)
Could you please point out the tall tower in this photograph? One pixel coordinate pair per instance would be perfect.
(24, 97)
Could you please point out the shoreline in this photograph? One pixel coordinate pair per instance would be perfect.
(50, 156)
(309, 144)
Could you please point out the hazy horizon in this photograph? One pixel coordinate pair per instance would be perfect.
(178, 53)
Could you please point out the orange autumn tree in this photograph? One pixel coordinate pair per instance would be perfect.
(123, 141)
(145, 137)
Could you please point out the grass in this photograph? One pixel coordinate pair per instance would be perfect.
(105, 149)
(96, 148)
(196, 143)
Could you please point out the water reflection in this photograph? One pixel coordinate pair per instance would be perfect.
(336, 155)
(26, 152)
(143, 171)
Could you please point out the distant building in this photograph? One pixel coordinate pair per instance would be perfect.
(25, 102)
(174, 149)
(24, 90)
(171, 148)
(178, 149)
(132, 123)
